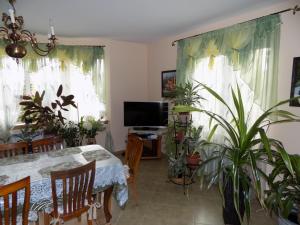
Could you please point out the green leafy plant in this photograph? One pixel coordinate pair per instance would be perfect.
(245, 146)
(70, 132)
(194, 135)
(187, 94)
(44, 116)
(283, 195)
(28, 133)
(90, 126)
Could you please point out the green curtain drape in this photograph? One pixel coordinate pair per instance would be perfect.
(251, 47)
(84, 57)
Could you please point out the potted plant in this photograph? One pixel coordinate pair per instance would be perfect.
(28, 133)
(186, 99)
(70, 133)
(194, 143)
(283, 196)
(90, 127)
(46, 116)
(244, 147)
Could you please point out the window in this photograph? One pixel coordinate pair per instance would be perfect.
(86, 81)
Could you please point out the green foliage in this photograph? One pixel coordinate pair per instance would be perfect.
(70, 132)
(27, 133)
(44, 116)
(187, 94)
(90, 126)
(245, 146)
(284, 184)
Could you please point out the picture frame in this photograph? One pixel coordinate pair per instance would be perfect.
(168, 83)
(295, 85)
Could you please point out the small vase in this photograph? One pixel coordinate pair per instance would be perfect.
(90, 141)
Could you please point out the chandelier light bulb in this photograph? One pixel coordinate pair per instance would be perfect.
(12, 15)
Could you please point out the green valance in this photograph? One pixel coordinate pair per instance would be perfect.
(244, 46)
(84, 57)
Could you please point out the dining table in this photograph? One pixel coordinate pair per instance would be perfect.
(110, 175)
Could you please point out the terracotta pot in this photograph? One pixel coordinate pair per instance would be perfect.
(184, 117)
(179, 136)
(193, 160)
(90, 141)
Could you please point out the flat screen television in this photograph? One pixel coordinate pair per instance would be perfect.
(145, 114)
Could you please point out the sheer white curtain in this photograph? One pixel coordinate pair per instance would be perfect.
(221, 78)
(11, 90)
(74, 82)
(16, 82)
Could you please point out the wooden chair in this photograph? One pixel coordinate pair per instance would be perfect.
(8, 214)
(47, 144)
(9, 150)
(133, 155)
(77, 191)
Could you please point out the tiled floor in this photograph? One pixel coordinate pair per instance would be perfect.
(163, 203)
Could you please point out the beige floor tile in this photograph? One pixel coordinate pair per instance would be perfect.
(164, 203)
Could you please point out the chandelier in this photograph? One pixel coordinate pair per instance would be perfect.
(17, 37)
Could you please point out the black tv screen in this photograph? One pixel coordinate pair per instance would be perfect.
(145, 114)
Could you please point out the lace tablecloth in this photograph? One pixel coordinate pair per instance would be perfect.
(109, 170)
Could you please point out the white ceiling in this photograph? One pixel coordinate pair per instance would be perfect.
(129, 20)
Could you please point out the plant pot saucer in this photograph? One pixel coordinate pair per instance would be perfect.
(181, 181)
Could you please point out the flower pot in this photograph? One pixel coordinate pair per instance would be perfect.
(184, 117)
(230, 216)
(292, 220)
(193, 160)
(91, 141)
(179, 136)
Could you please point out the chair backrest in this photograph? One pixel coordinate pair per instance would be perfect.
(12, 149)
(9, 202)
(77, 189)
(133, 153)
(47, 144)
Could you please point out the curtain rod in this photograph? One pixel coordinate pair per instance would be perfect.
(295, 9)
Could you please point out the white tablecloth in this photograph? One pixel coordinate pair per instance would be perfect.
(109, 170)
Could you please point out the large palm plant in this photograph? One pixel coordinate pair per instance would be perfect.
(284, 185)
(244, 147)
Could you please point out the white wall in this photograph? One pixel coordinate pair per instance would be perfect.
(289, 48)
(162, 56)
(126, 67)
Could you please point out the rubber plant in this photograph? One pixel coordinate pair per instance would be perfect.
(244, 147)
(45, 116)
(283, 196)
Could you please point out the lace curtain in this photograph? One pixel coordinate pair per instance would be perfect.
(251, 48)
(80, 69)
(245, 55)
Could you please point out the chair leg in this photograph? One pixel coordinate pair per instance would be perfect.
(134, 192)
(89, 222)
(46, 219)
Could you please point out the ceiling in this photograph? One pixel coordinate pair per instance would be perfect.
(128, 20)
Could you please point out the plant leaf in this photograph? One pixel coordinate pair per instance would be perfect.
(59, 91)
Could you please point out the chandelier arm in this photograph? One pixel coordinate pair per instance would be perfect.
(4, 29)
(34, 45)
(12, 30)
(39, 51)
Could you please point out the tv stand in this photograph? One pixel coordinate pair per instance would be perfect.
(151, 142)
(145, 128)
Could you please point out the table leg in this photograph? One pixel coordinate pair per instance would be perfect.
(107, 203)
